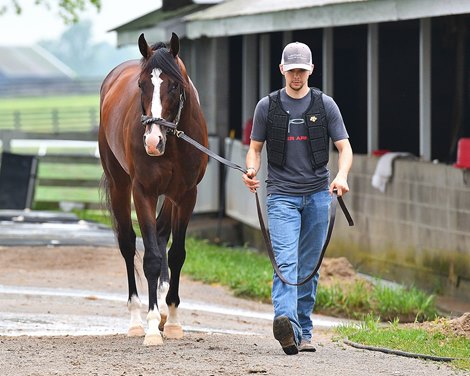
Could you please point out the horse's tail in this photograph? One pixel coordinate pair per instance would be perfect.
(105, 199)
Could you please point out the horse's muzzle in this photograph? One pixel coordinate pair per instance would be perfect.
(154, 140)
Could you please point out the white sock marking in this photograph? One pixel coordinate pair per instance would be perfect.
(134, 306)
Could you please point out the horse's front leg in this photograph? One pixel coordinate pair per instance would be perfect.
(163, 234)
(176, 256)
(145, 206)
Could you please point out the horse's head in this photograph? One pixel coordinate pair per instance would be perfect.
(162, 87)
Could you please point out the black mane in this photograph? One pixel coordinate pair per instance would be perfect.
(164, 60)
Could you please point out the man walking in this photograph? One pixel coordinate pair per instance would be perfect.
(297, 123)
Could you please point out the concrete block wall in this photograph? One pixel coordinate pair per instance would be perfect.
(417, 232)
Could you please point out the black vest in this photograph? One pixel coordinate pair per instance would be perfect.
(317, 126)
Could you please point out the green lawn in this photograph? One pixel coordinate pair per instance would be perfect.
(50, 114)
(434, 339)
(66, 171)
(71, 172)
(68, 101)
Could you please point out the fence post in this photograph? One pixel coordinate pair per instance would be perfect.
(6, 141)
(55, 120)
(17, 120)
(93, 121)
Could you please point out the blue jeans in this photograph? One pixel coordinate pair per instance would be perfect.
(298, 227)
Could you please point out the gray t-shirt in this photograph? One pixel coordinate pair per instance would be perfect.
(297, 177)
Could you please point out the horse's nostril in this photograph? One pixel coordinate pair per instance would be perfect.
(160, 143)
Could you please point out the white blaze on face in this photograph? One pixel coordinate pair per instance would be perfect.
(154, 139)
(156, 101)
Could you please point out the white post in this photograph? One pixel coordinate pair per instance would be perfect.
(372, 88)
(249, 77)
(425, 89)
(264, 65)
(328, 62)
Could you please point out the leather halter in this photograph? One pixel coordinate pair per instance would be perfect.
(146, 120)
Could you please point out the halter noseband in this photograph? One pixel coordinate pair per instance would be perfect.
(171, 126)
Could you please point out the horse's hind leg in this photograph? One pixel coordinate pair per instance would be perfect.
(176, 256)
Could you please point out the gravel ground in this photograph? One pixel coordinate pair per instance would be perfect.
(200, 352)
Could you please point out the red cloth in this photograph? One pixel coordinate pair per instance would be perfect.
(247, 131)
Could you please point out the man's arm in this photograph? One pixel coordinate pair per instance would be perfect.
(345, 157)
(253, 163)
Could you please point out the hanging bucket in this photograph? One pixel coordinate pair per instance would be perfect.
(463, 153)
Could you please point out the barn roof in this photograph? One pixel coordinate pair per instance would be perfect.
(31, 62)
(157, 25)
(238, 17)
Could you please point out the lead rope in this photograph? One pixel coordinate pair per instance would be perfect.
(264, 231)
(267, 240)
(269, 247)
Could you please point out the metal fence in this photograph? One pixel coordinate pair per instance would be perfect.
(50, 119)
(38, 87)
(63, 148)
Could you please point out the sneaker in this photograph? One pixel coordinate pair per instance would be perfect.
(306, 346)
(283, 332)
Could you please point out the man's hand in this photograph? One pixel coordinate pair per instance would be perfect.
(340, 184)
(250, 179)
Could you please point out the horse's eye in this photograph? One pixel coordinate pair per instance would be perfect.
(174, 87)
(139, 84)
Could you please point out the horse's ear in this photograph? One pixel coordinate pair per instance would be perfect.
(144, 48)
(174, 44)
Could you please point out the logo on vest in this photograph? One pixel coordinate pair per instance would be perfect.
(313, 119)
(297, 138)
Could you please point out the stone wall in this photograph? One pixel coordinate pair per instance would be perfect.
(416, 232)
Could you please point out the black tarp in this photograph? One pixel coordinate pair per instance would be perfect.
(17, 180)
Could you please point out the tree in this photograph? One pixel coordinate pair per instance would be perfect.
(68, 10)
(76, 49)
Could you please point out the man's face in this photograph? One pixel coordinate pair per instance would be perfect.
(297, 78)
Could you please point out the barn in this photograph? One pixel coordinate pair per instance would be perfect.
(31, 71)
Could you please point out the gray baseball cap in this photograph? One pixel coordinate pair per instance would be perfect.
(296, 55)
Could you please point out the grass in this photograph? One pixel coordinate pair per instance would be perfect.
(358, 299)
(246, 272)
(78, 113)
(68, 101)
(72, 172)
(74, 194)
(412, 339)
(66, 171)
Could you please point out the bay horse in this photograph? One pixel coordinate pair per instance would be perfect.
(143, 160)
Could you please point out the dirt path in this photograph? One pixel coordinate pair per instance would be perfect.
(215, 344)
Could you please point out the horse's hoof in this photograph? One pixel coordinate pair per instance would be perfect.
(153, 340)
(161, 326)
(173, 331)
(136, 331)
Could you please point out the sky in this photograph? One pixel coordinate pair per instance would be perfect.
(37, 23)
